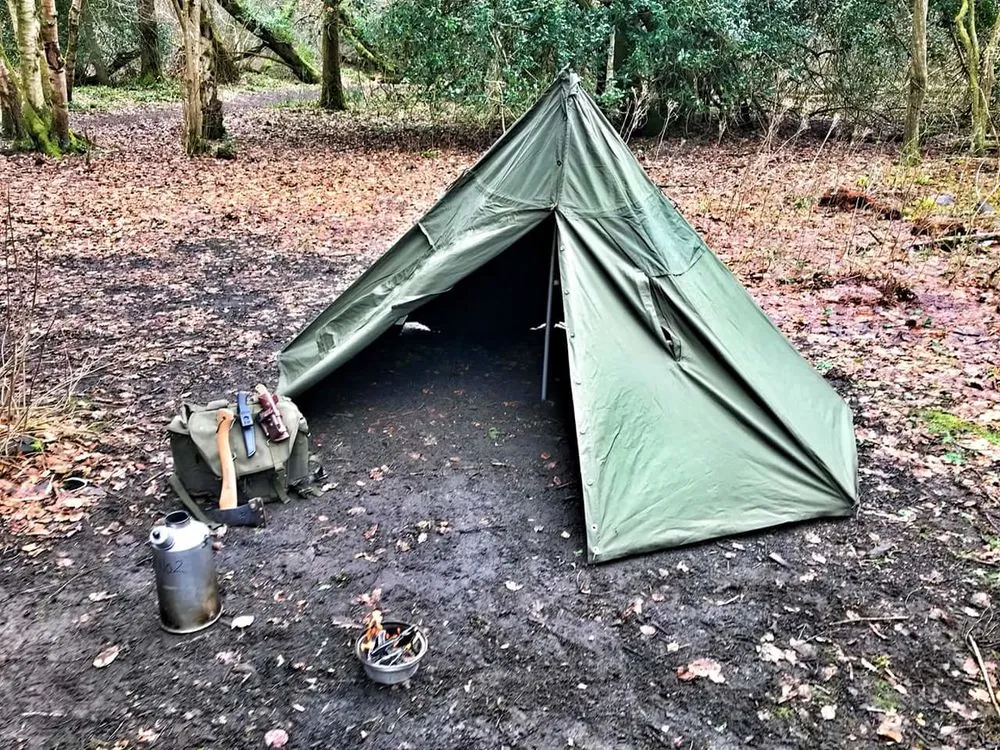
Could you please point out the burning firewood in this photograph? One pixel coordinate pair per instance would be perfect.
(388, 646)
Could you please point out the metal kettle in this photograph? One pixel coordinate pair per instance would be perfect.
(186, 580)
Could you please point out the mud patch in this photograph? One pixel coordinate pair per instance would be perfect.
(445, 464)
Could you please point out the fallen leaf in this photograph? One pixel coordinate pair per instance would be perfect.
(514, 586)
(107, 656)
(276, 738)
(147, 736)
(226, 657)
(243, 621)
(702, 668)
(770, 652)
(981, 599)
(979, 694)
(962, 710)
(891, 727)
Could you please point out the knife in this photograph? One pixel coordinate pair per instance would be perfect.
(246, 422)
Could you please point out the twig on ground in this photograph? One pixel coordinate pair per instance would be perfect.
(956, 239)
(853, 620)
(476, 529)
(68, 582)
(982, 670)
(189, 641)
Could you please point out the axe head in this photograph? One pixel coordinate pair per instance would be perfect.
(250, 514)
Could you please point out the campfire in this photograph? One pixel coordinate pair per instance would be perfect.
(389, 644)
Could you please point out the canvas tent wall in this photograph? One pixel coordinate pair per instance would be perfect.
(695, 417)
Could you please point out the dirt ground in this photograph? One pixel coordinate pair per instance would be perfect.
(455, 497)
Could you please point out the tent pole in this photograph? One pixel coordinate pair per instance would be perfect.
(548, 314)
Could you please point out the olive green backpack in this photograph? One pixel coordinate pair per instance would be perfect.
(270, 473)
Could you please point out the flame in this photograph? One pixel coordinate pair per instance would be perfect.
(370, 639)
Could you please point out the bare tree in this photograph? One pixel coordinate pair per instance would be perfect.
(57, 72)
(72, 44)
(150, 59)
(202, 110)
(980, 69)
(40, 86)
(332, 91)
(274, 40)
(918, 82)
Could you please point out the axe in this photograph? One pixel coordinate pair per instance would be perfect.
(230, 511)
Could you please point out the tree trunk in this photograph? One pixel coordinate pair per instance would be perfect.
(13, 13)
(275, 41)
(28, 34)
(57, 73)
(189, 16)
(202, 110)
(95, 53)
(918, 82)
(980, 68)
(332, 92)
(211, 105)
(348, 29)
(36, 112)
(11, 114)
(150, 60)
(72, 44)
(965, 27)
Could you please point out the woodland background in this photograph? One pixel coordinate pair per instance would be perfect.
(861, 67)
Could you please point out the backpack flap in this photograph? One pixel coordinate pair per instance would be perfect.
(200, 424)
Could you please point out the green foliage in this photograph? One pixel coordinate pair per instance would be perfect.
(110, 98)
(884, 696)
(496, 53)
(948, 426)
(711, 59)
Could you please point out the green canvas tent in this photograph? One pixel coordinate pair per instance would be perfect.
(695, 417)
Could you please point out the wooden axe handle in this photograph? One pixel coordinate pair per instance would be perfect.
(227, 498)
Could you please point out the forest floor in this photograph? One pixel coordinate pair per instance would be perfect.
(453, 496)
